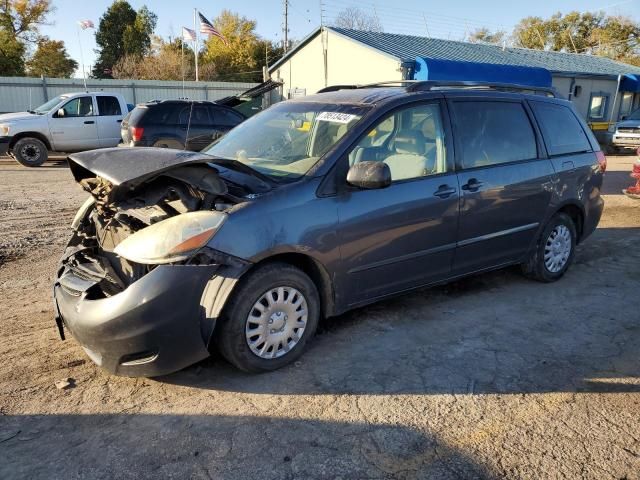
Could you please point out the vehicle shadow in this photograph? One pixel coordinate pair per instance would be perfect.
(217, 446)
(491, 333)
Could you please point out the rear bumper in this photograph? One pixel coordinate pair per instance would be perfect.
(156, 326)
(4, 145)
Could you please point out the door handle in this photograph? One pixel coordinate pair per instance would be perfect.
(473, 185)
(444, 191)
(89, 122)
(119, 121)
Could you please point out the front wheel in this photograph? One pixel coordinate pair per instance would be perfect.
(269, 319)
(555, 250)
(30, 152)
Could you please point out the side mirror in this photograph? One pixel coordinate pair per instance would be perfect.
(60, 113)
(369, 175)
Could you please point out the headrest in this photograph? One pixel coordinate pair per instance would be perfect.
(409, 141)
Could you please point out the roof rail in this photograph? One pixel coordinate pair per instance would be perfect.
(428, 85)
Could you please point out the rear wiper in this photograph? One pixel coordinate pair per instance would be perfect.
(241, 167)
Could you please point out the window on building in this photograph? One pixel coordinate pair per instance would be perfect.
(626, 103)
(108, 105)
(492, 133)
(598, 106)
(562, 131)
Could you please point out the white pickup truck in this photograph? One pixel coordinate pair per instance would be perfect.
(67, 123)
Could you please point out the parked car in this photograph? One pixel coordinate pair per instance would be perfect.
(627, 134)
(177, 124)
(67, 123)
(316, 206)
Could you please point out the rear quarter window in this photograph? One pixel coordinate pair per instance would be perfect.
(561, 130)
(492, 133)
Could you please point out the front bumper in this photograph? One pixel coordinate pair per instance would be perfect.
(4, 145)
(626, 140)
(157, 325)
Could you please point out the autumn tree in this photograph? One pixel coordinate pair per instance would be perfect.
(242, 56)
(51, 60)
(122, 31)
(355, 18)
(22, 18)
(596, 33)
(484, 35)
(11, 55)
(165, 61)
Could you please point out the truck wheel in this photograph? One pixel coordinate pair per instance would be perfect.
(269, 319)
(554, 252)
(30, 152)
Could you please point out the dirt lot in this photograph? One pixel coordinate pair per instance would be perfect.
(494, 376)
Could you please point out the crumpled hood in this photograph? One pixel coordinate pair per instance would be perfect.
(130, 166)
(16, 117)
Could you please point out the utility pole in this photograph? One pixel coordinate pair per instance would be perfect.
(285, 25)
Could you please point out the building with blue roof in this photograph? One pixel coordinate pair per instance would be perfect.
(603, 90)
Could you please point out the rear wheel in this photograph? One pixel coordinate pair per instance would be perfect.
(555, 250)
(269, 319)
(30, 152)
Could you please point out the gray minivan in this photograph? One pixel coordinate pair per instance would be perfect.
(316, 206)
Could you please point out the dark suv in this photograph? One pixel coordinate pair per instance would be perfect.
(176, 123)
(316, 206)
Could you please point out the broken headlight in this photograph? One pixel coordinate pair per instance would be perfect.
(171, 240)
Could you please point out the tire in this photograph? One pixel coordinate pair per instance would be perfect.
(240, 314)
(558, 234)
(30, 152)
(168, 143)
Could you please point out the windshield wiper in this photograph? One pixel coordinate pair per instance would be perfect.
(243, 168)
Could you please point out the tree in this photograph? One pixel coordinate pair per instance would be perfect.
(21, 18)
(11, 55)
(237, 58)
(484, 35)
(164, 62)
(122, 31)
(51, 60)
(596, 33)
(355, 18)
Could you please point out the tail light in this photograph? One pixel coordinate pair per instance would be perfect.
(602, 161)
(136, 133)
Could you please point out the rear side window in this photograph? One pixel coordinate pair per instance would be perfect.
(491, 133)
(198, 114)
(108, 106)
(224, 117)
(562, 131)
(162, 114)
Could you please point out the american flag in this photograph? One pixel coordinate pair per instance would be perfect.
(84, 24)
(208, 29)
(188, 35)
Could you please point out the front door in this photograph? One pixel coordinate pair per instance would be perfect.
(109, 120)
(404, 235)
(505, 184)
(74, 128)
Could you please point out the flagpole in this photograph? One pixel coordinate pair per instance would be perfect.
(195, 28)
(182, 61)
(84, 75)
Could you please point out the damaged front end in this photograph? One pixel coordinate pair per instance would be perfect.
(132, 281)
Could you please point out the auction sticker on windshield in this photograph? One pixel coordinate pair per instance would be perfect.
(336, 117)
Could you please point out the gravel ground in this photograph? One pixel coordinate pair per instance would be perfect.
(494, 376)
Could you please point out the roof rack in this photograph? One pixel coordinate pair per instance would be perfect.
(429, 85)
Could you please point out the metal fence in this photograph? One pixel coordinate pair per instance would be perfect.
(24, 93)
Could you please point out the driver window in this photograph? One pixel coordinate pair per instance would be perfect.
(410, 141)
(78, 107)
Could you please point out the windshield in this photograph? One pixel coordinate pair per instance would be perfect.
(46, 107)
(634, 115)
(289, 138)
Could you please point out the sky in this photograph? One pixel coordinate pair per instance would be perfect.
(453, 19)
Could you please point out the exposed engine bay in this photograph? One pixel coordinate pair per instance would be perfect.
(120, 209)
